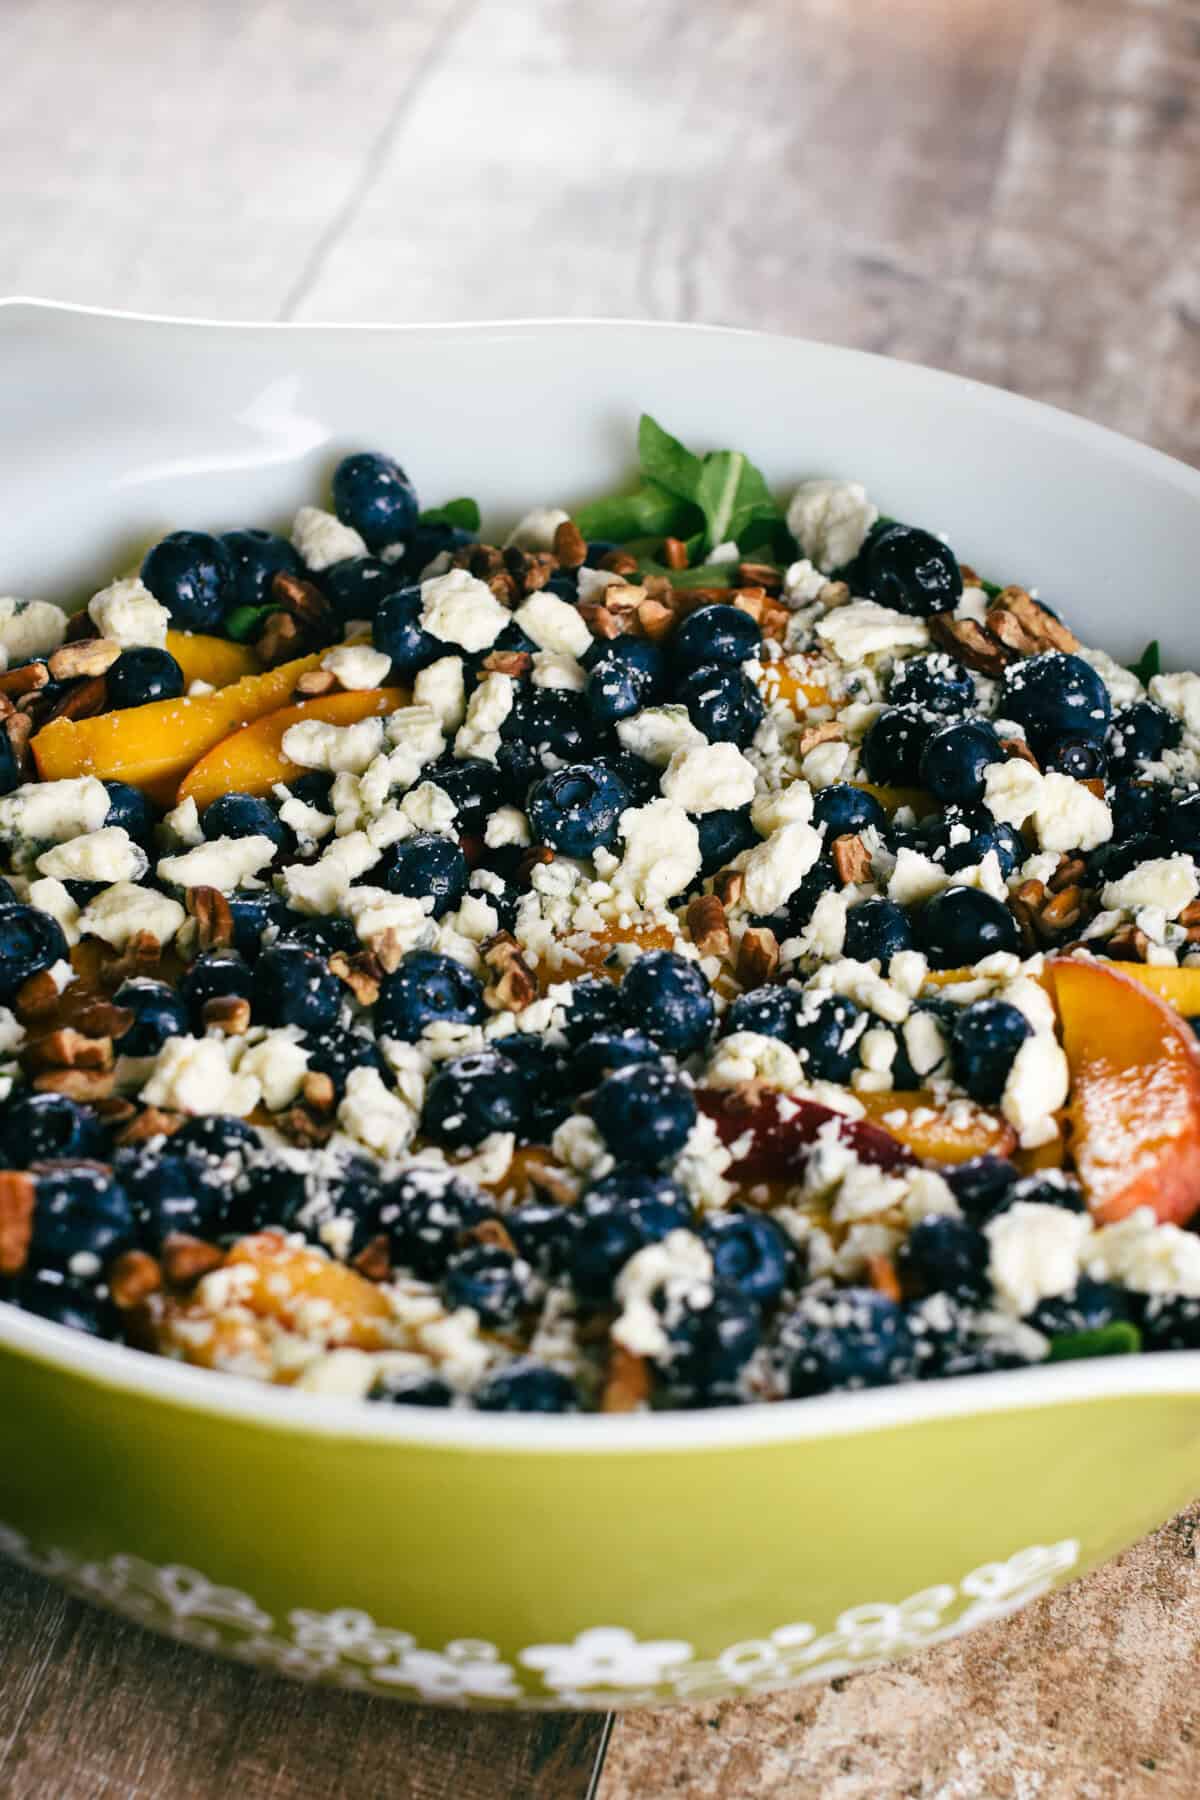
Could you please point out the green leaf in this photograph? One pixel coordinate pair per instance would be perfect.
(990, 589)
(1118, 1339)
(649, 512)
(731, 493)
(705, 575)
(244, 623)
(664, 460)
(1148, 663)
(462, 514)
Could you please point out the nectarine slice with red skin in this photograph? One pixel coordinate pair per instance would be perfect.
(1134, 1107)
(251, 761)
(781, 1129)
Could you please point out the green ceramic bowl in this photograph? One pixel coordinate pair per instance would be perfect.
(500, 1562)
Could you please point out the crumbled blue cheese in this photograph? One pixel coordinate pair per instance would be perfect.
(1068, 816)
(661, 855)
(774, 869)
(193, 1075)
(656, 733)
(558, 669)
(429, 808)
(128, 613)
(52, 812)
(1180, 696)
(106, 855)
(1141, 1254)
(1035, 1253)
(316, 744)
(309, 823)
(709, 777)
(1012, 790)
(487, 710)
(802, 583)
(375, 910)
(124, 910)
(374, 1116)
(750, 1056)
(830, 520)
(458, 608)
(224, 863)
(915, 878)
(440, 687)
(535, 531)
(321, 539)
(553, 624)
(863, 628)
(507, 825)
(676, 1272)
(357, 666)
(1168, 882)
(29, 628)
(50, 896)
(180, 829)
(278, 1062)
(1037, 1086)
(323, 886)
(790, 805)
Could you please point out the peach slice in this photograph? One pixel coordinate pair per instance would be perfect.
(1180, 986)
(587, 953)
(219, 661)
(784, 680)
(1134, 1109)
(152, 747)
(251, 761)
(893, 798)
(940, 1134)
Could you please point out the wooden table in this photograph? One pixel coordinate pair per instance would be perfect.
(1008, 188)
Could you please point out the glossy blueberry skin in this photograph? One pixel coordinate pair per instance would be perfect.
(550, 721)
(627, 674)
(158, 1013)
(255, 558)
(669, 998)
(473, 1096)
(1077, 757)
(945, 1255)
(1183, 825)
(141, 675)
(373, 494)
(338, 1050)
(722, 703)
(10, 774)
(491, 1280)
(50, 1294)
(1050, 1188)
(29, 942)
(715, 634)
(981, 1185)
(1139, 734)
(356, 587)
(577, 809)
(640, 777)
(711, 1341)
(909, 570)
(750, 1253)
(820, 879)
(526, 1386)
(132, 810)
(724, 833)
(607, 1236)
(411, 1390)
(38, 1127)
(936, 683)
(987, 1036)
(1055, 695)
(215, 975)
(827, 1037)
(425, 1215)
(962, 925)
(610, 1050)
(1171, 1322)
(474, 786)
(1139, 809)
(170, 1191)
(293, 986)
(219, 1137)
(877, 928)
(947, 846)
(396, 631)
(854, 1338)
(193, 576)
(1112, 860)
(422, 866)
(252, 910)
(1090, 1306)
(594, 1006)
(769, 1011)
(424, 542)
(543, 1231)
(891, 750)
(943, 1013)
(548, 1079)
(842, 808)
(244, 815)
(644, 1114)
(79, 1208)
(627, 1188)
(954, 759)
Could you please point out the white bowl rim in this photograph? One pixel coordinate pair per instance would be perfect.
(285, 1410)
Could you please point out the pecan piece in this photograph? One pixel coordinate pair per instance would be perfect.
(142, 955)
(151, 1122)
(675, 553)
(133, 1278)
(515, 984)
(1017, 749)
(316, 681)
(227, 1013)
(76, 1084)
(318, 1092)
(213, 916)
(570, 545)
(1026, 905)
(280, 640)
(828, 731)
(761, 575)
(67, 1048)
(626, 1381)
(38, 998)
(655, 619)
(851, 859)
(18, 728)
(304, 601)
(757, 956)
(387, 947)
(374, 1260)
(18, 1192)
(1071, 872)
(26, 680)
(508, 662)
(708, 925)
(491, 1233)
(1062, 910)
(619, 562)
(89, 656)
(1127, 944)
(1040, 628)
(361, 973)
(970, 643)
(599, 621)
(185, 1259)
(728, 885)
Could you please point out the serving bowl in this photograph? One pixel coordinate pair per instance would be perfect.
(582, 1561)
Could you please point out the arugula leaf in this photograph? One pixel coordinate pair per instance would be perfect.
(1118, 1339)
(245, 623)
(665, 460)
(729, 491)
(1148, 663)
(705, 575)
(463, 515)
(649, 512)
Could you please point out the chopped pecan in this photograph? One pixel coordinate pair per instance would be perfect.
(757, 956)
(6, 707)
(280, 639)
(675, 553)
(1016, 618)
(76, 1084)
(304, 601)
(133, 1278)
(491, 1233)
(708, 925)
(970, 643)
(115, 1111)
(18, 728)
(213, 916)
(515, 984)
(828, 731)
(18, 1192)
(374, 1260)
(38, 998)
(83, 700)
(1071, 872)
(619, 562)
(1062, 910)
(316, 681)
(227, 1013)
(570, 545)
(540, 566)
(89, 656)
(1094, 785)
(67, 1048)
(361, 973)
(24, 680)
(545, 1176)
(142, 955)
(1026, 905)
(503, 587)
(481, 559)
(151, 1122)
(655, 619)
(185, 1259)
(1191, 914)
(96, 1017)
(851, 859)
(508, 662)
(387, 947)
(762, 575)
(1127, 944)
(318, 1092)
(599, 621)
(303, 1128)
(626, 1381)
(1017, 749)
(728, 885)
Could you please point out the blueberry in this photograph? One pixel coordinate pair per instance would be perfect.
(473, 784)
(355, 587)
(215, 975)
(549, 722)
(951, 1339)
(395, 1389)
(1048, 1188)
(493, 1282)
(853, 1338)
(715, 634)
(723, 833)
(629, 673)
(1183, 825)
(398, 633)
(987, 1037)
(909, 570)
(981, 1185)
(945, 1255)
(669, 998)
(937, 683)
(10, 772)
(372, 494)
(821, 879)
(80, 1209)
(925, 1035)
(158, 1013)
(891, 750)
(1139, 809)
(292, 986)
(193, 576)
(640, 777)
(626, 1187)
(29, 942)
(473, 1096)
(542, 1231)
(879, 929)
(1055, 695)
(171, 1190)
(961, 926)
(750, 1253)
(243, 815)
(424, 866)
(252, 911)
(610, 1050)
(1139, 734)
(1171, 1322)
(1077, 757)
(722, 703)
(132, 810)
(1090, 1306)
(608, 1235)
(35, 1127)
(644, 1114)
(220, 1138)
(577, 809)
(964, 836)
(424, 542)
(141, 675)
(527, 1386)
(954, 760)
(426, 1213)
(842, 808)
(594, 1006)
(711, 1333)
(827, 1036)
(1110, 861)
(769, 1011)
(336, 1051)
(255, 558)
(52, 1295)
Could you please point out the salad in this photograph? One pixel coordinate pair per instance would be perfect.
(696, 950)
